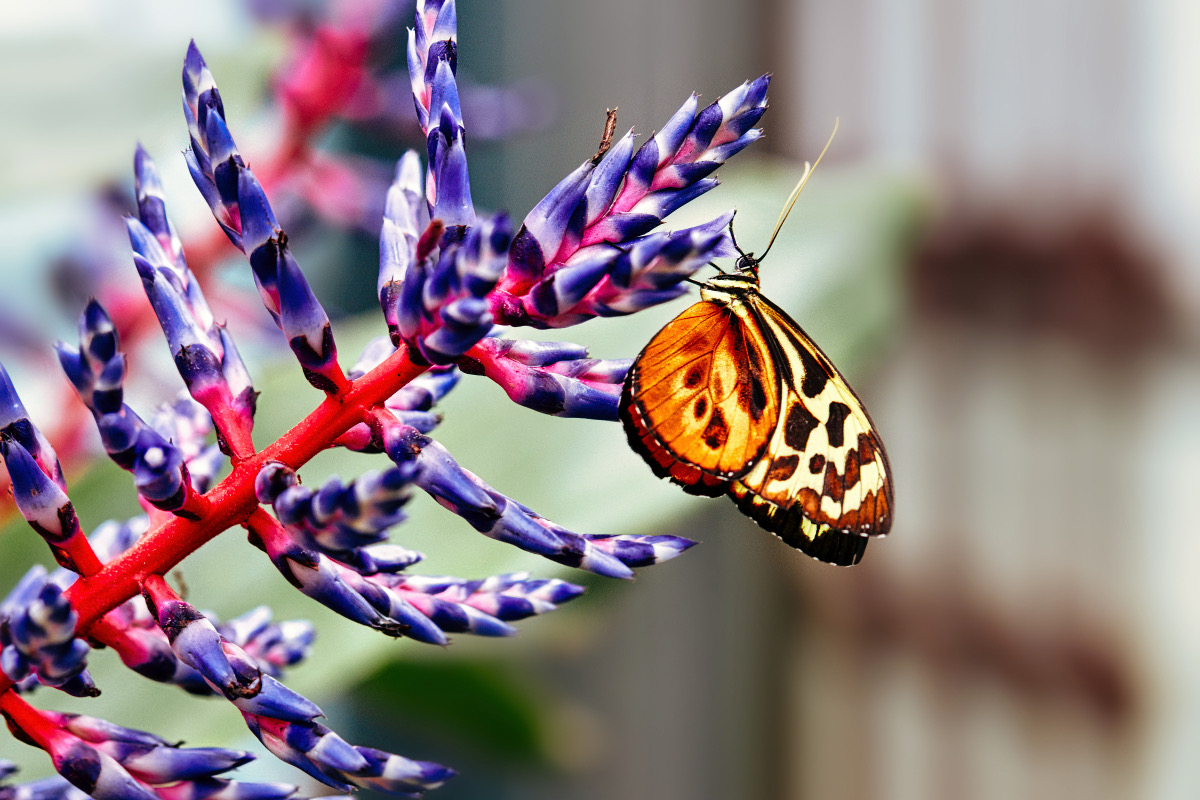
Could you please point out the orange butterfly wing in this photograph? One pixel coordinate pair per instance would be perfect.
(732, 397)
(826, 485)
(701, 399)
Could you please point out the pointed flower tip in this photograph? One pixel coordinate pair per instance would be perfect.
(140, 159)
(193, 59)
(95, 318)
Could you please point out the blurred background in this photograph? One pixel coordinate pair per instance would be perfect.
(999, 251)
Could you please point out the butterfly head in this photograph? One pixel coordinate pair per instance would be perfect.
(747, 264)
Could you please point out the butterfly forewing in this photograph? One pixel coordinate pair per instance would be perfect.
(700, 401)
(825, 484)
(733, 397)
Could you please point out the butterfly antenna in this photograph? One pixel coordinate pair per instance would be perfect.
(791, 201)
(733, 238)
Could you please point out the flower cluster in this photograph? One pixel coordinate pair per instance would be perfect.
(449, 276)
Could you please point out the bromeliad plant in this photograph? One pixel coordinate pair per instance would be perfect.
(449, 277)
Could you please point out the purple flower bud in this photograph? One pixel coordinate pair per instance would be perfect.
(497, 516)
(311, 747)
(536, 244)
(602, 281)
(212, 159)
(558, 276)
(324, 755)
(197, 354)
(146, 651)
(152, 207)
(220, 789)
(338, 519)
(347, 593)
(397, 775)
(198, 82)
(432, 40)
(442, 311)
(149, 758)
(448, 188)
(432, 61)
(284, 290)
(450, 616)
(383, 558)
(263, 239)
(551, 377)
(505, 597)
(40, 500)
(97, 368)
(204, 353)
(15, 424)
(405, 216)
(103, 760)
(37, 634)
(97, 774)
(159, 471)
(225, 666)
(306, 326)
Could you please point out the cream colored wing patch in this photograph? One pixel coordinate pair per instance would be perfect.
(824, 483)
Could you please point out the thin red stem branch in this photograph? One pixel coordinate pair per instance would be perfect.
(231, 501)
(33, 723)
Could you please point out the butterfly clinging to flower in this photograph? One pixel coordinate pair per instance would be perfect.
(732, 397)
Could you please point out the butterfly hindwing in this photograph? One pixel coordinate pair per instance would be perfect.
(732, 397)
(825, 484)
(701, 399)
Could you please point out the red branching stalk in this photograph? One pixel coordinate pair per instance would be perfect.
(232, 501)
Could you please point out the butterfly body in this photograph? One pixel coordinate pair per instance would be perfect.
(732, 397)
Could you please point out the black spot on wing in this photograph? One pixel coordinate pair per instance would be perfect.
(815, 376)
(717, 432)
(758, 397)
(701, 407)
(835, 425)
(755, 398)
(800, 423)
(783, 468)
(816, 464)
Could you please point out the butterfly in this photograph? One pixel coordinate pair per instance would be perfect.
(732, 397)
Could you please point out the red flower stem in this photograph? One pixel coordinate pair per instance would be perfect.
(108, 633)
(36, 727)
(157, 591)
(76, 554)
(231, 501)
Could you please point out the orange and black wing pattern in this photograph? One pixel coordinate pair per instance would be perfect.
(701, 400)
(732, 397)
(824, 484)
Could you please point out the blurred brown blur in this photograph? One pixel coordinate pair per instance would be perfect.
(1030, 628)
